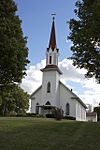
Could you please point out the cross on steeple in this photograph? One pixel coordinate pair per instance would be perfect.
(53, 16)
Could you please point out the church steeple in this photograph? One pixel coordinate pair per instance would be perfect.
(52, 42)
(52, 52)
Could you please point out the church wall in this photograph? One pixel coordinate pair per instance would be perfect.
(52, 77)
(60, 100)
(58, 91)
(76, 109)
(65, 97)
(36, 98)
(80, 112)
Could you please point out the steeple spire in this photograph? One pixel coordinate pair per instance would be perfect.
(52, 52)
(52, 42)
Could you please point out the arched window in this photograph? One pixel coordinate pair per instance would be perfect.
(48, 87)
(67, 109)
(48, 103)
(50, 59)
(37, 108)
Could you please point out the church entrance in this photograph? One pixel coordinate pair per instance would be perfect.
(45, 109)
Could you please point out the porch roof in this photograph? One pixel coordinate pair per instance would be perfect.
(44, 106)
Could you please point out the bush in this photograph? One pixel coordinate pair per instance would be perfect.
(12, 114)
(21, 115)
(69, 118)
(58, 113)
(50, 115)
(31, 114)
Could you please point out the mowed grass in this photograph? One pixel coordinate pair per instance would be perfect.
(48, 134)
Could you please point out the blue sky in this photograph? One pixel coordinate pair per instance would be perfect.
(36, 25)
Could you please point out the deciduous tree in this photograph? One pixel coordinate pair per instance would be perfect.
(13, 50)
(13, 98)
(13, 59)
(85, 35)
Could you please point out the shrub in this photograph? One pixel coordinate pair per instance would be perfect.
(21, 115)
(69, 118)
(12, 114)
(50, 115)
(31, 114)
(58, 113)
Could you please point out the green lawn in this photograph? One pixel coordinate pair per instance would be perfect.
(45, 134)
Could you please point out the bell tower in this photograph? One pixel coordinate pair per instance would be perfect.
(52, 52)
(51, 72)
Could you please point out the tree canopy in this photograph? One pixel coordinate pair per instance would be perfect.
(13, 50)
(85, 35)
(13, 59)
(13, 99)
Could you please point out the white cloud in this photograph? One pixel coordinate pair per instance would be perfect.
(90, 89)
(70, 72)
(91, 94)
(33, 78)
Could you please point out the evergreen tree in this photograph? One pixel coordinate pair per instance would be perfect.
(85, 35)
(13, 50)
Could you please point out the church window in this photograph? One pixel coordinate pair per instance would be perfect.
(50, 59)
(37, 108)
(48, 87)
(48, 103)
(67, 109)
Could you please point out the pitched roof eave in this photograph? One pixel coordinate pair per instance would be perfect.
(51, 68)
(35, 91)
(74, 96)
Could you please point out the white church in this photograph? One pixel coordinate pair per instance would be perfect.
(53, 93)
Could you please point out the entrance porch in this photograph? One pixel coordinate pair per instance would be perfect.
(44, 109)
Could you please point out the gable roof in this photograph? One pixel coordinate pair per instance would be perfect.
(35, 91)
(74, 95)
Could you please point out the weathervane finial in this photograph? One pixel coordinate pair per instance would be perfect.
(53, 16)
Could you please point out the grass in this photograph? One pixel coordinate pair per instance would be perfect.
(46, 134)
